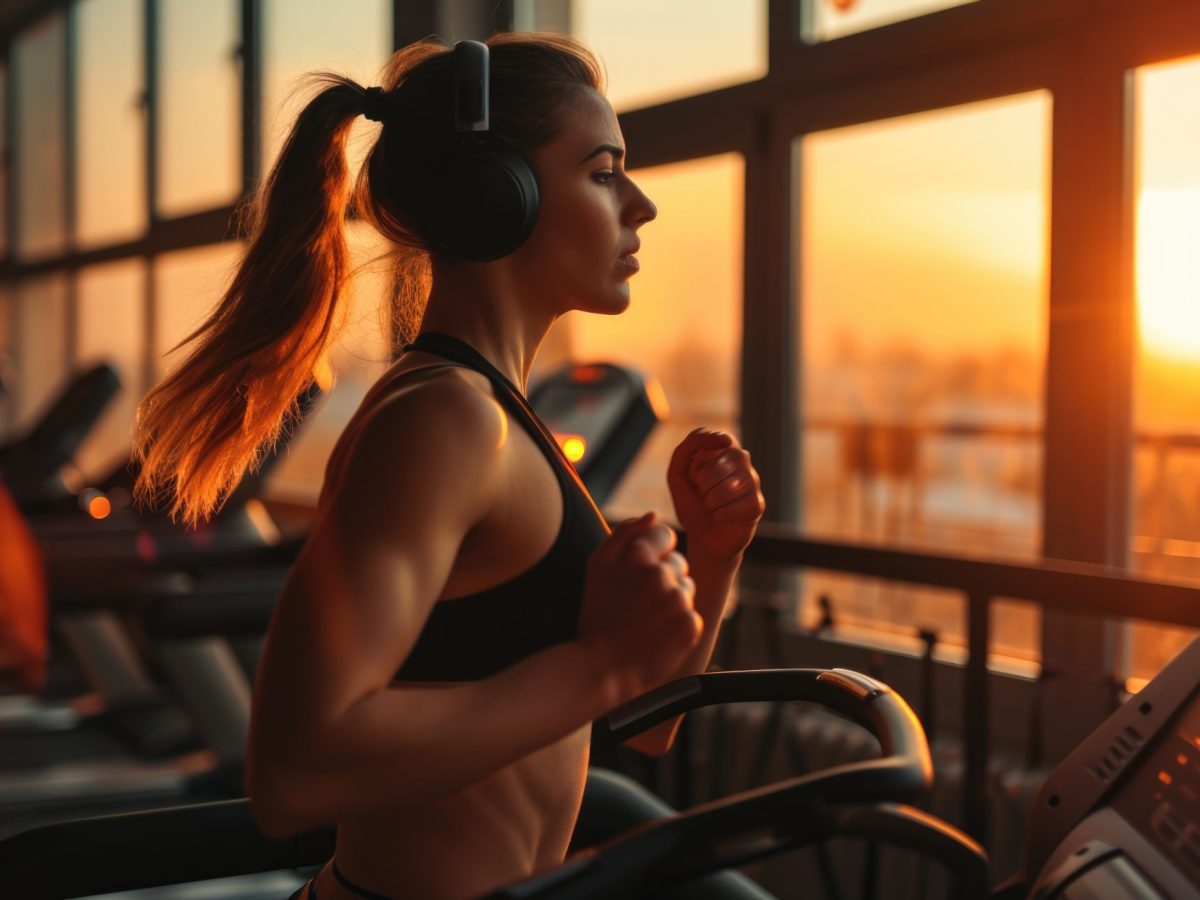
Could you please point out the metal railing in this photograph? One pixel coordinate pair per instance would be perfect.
(893, 451)
(1053, 585)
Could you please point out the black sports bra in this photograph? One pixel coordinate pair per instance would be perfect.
(472, 637)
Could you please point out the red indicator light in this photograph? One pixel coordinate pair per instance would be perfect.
(587, 374)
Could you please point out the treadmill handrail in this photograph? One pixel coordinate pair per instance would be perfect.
(219, 839)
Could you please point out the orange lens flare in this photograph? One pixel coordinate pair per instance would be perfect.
(99, 507)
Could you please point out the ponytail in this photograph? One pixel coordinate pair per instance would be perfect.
(224, 407)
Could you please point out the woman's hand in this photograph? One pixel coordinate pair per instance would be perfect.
(716, 493)
(638, 617)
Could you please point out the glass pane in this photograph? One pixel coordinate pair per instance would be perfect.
(358, 357)
(112, 317)
(187, 286)
(1166, 508)
(825, 20)
(352, 38)
(923, 290)
(684, 322)
(4, 158)
(39, 328)
(111, 159)
(199, 113)
(37, 60)
(671, 48)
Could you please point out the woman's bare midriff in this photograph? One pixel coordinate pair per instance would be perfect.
(515, 822)
(518, 820)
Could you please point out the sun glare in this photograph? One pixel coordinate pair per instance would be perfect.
(1168, 272)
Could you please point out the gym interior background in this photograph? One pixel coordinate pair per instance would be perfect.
(933, 261)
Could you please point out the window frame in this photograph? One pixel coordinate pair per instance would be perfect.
(1081, 51)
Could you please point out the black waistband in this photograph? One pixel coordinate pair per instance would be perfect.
(354, 888)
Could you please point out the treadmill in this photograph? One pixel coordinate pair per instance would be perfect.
(1118, 819)
(861, 799)
(30, 465)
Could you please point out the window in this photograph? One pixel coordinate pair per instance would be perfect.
(352, 38)
(200, 163)
(40, 139)
(670, 48)
(1166, 453)
(39, 322)
(683, 324)
(112, 315)
(923, 297)
(110, 86)
(824, 20)
(187, 286)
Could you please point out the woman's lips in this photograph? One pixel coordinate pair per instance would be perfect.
(630, 262)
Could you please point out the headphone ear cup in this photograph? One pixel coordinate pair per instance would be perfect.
(485, 201)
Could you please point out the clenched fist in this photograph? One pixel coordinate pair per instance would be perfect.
(638, 614)
(717, 494)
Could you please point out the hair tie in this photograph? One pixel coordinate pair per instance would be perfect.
(374, 104)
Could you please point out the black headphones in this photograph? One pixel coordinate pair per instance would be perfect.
(484, 194)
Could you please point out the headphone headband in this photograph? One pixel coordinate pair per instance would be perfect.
(471, 87)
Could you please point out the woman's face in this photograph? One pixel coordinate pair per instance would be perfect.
(579, 254)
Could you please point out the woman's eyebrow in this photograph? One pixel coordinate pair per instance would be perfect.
(617, 152)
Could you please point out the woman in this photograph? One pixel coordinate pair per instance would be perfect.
(460, 613)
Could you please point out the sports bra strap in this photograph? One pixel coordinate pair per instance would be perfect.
(459, 351)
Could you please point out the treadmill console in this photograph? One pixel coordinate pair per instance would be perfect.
(1120, 817)
(600, 414)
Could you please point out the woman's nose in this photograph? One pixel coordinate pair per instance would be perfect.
(644, 208)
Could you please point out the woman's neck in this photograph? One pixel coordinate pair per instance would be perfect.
(502, 326)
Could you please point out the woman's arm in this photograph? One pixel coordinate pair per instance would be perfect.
(330, 737)
(718, 500)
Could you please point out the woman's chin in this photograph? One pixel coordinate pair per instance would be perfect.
(611, 305)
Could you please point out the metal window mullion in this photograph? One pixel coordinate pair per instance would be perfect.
(1088, 392)
(783, 29)
(769, 401)
(412, 20)
(251, 56)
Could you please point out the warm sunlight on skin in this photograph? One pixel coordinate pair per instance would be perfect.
(1168, 272)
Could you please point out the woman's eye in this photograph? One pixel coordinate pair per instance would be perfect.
(603, 177)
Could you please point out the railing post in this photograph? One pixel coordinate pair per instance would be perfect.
(975, 717)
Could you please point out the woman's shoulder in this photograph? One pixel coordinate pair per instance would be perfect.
(436, 394)
(426, 419)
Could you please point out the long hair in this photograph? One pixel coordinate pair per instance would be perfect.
(224, 407)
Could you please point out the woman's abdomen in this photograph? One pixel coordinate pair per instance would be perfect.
(501, 829)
